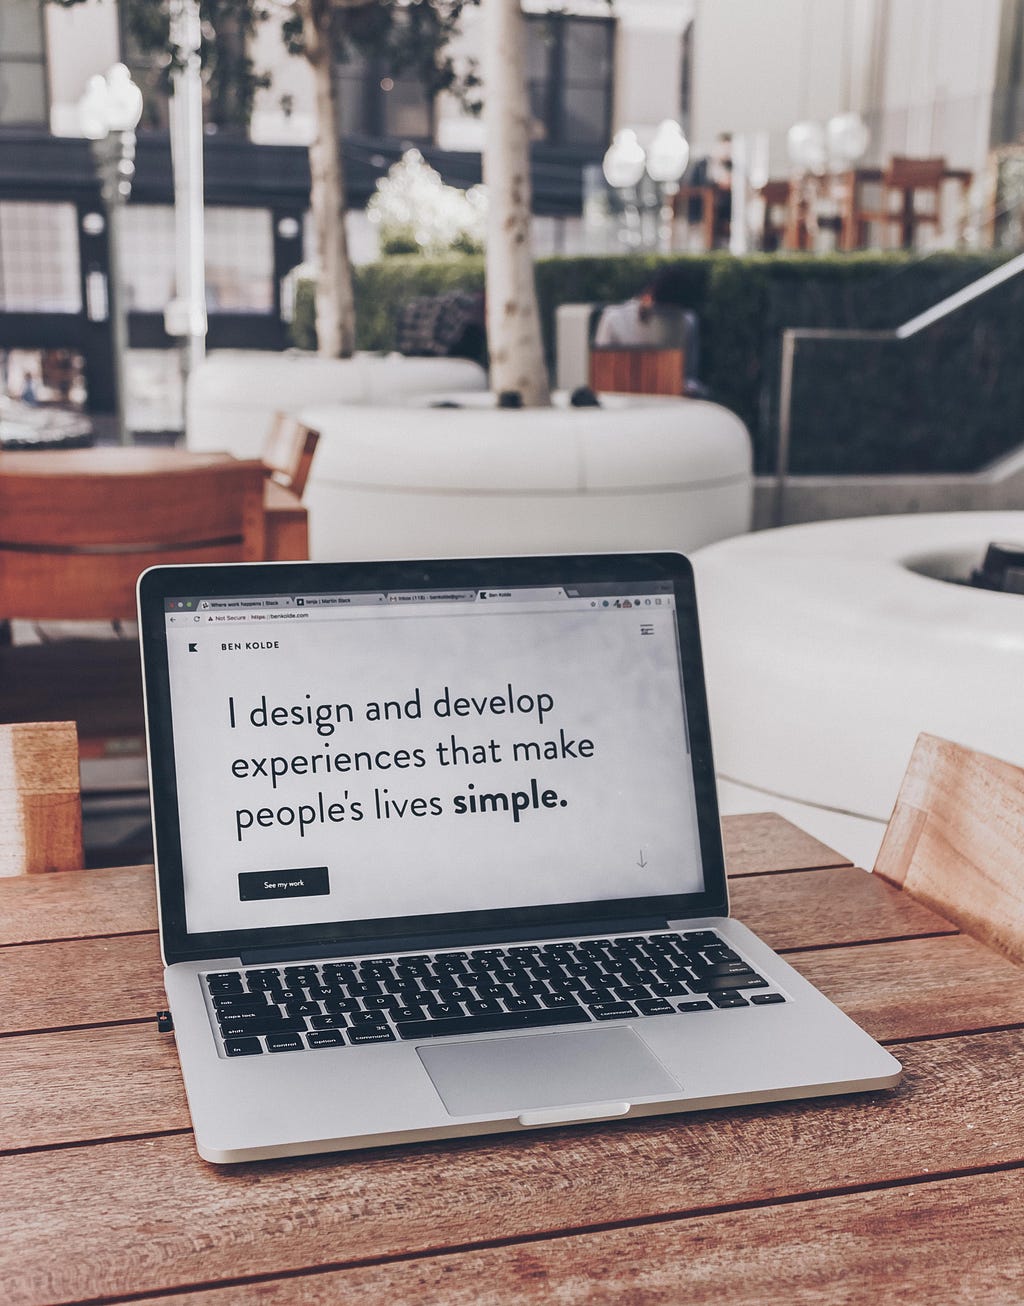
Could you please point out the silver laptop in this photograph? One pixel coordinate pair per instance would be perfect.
(438, 853)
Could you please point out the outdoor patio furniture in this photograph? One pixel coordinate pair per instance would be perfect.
(288, 452)
(955, 841)
(903, 183)
(78, 527)
(830, 647)
(233, 394)
(667, 364)
(40, 806)
(467, 478)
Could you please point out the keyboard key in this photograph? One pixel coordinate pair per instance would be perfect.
(612, 1010)
(559, 1000)
(442, 1010)
(713, 983)
(328, 1022)
(763, 999)
(364, 1018)
(668, 990)
(306, 1008)
(340, 1005)
(693, 1006)
(329, 1038)
(519, 1002)
(482, 1006)
(370, 1034)
(242, 1047)
(228, 984)
(284, 1043)
(654, 1007)
(491, 1023)
(728, 998)
(242, 1002)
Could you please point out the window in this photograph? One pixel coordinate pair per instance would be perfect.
(376, 101)
(23, 97)
(239, 258)
(39, 258)
(569, 74)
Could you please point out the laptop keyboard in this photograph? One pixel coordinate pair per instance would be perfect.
(486, 990)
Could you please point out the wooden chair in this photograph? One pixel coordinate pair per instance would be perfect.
(955, 841)
(288, 452)
(76, 529)
(904, 182)
(40, 804)
(634, 369)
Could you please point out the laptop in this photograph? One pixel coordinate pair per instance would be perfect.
(438, 853)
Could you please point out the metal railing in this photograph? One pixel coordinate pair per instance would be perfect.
(792, 336)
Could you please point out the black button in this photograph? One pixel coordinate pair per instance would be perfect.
(284, 1043)
(729, 998)
(693, 1006)
(328, 1038)
(370, 1034)
(763, 999)
(242, 1047)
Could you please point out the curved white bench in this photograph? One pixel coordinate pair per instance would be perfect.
(826, 655)
(638, 473)
(234, 394)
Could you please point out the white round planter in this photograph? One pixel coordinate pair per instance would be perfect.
(637, 473)
(234, 394)
(829, 647)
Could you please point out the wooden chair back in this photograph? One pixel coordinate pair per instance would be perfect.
(77, 528)
(288, 452)
(955, 841)
(915, 174)
(637, 370)
(40, 804)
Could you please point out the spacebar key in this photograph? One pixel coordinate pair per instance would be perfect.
(488, 1023)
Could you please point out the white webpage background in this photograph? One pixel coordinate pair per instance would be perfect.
(627, 827)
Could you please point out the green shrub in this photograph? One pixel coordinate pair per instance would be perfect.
(950, 399)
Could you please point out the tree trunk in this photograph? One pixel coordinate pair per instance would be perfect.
(335, 305)
(513, 322)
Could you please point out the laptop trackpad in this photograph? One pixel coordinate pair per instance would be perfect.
(545, 1070)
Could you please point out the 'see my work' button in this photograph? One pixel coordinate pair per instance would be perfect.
(302, 882)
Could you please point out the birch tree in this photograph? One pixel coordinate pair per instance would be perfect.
(335, 301)
(513, 320)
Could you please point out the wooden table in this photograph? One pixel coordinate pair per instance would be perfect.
(913, 1194)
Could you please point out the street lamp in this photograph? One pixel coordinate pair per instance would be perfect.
(626, 163)
(667, 157)
(108, 114)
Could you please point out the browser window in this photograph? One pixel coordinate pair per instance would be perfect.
(366, 755)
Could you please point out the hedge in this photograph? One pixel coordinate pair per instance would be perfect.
(949, 400)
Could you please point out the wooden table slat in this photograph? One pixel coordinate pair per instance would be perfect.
(77, 904)
(764, 843)
(805, 1254)
(202, 1223)
(842, 906)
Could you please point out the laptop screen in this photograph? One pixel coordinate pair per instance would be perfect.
(346, 753)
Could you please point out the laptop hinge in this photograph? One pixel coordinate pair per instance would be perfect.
(457, 939)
